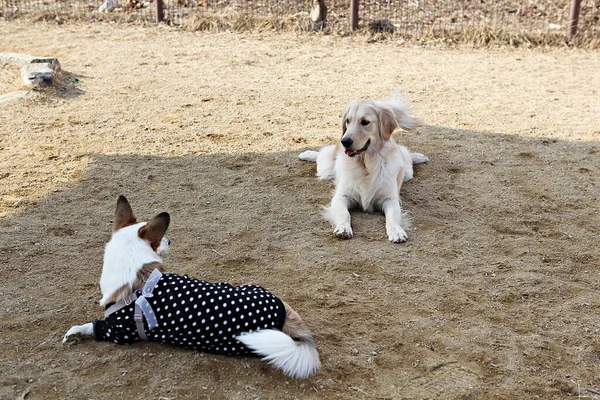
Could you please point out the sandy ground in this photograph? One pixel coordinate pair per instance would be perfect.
(495, 295)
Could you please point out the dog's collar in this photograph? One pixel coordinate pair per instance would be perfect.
(353, 153)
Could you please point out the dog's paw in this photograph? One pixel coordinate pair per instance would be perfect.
(74, 334)
(71, 337)
(397, 235)
(308, 155)
(343, 231)
(418, 158)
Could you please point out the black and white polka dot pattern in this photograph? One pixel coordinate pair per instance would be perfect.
(199, 315)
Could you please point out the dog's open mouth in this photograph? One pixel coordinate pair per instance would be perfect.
(352, 153)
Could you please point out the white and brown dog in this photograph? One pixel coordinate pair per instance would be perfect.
(368, 166)
(143, 302)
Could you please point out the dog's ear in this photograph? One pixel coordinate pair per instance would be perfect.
(344, 117)
(387, 123)
(155, 229)
(123, 214)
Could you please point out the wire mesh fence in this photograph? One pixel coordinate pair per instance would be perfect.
(128, 10)
(412, 19)
(418, 18)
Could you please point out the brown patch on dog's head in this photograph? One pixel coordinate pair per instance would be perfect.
(387, 123)
(123, 214)
(155, 229)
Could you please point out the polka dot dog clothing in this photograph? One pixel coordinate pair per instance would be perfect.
(192, 313)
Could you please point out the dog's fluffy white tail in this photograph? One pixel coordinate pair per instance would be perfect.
(298, 359)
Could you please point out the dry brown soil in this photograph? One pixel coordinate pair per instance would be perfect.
(494, 296)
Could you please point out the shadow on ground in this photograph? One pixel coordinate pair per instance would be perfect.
(494, 295)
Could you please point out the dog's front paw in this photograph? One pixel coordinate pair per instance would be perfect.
(343, 231)
(74, 334)
(397, 235)
(71, 336)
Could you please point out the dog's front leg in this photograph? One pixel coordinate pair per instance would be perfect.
(393, 220)
(337, 213)
(86, 329)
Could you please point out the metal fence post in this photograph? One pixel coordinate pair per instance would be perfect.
(573, 18)
(160, 11)
(354, 14)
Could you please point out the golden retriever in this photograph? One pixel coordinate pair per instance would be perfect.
(367, 166)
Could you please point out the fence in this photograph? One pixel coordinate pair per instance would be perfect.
(412, 19)
(415, 18)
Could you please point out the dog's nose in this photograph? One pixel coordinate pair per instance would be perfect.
(347, 142)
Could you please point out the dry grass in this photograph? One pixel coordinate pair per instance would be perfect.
(238, 21)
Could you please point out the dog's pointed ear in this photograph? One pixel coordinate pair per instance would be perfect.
(155, 229)
(387, 123)
(123, 214)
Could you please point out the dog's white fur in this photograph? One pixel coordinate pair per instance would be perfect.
(371, 179)
(126, 248)
(127, 252)
(298, 360)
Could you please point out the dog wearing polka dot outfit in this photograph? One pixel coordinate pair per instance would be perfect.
(144, 302)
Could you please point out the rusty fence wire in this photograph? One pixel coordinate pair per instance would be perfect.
(413, 19)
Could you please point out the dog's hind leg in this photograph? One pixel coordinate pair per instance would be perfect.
(418, 158)
(86, 330)
(325, 159)
(409, 160)
(309, 155)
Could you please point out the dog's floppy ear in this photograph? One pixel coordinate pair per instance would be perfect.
(123, 214)
(344, 117)
(155, 229)
(387, 123)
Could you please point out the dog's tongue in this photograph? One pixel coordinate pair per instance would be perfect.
(351, 153)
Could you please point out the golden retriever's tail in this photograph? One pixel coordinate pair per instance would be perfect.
(401, 111)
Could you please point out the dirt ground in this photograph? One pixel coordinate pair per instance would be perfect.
(494, 296)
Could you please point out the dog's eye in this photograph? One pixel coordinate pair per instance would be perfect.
(364, 122)
(347, 120)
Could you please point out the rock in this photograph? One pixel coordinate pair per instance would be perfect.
(40, 72)
(13, 96)
(35, 71)
(382, 25)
